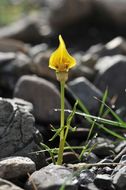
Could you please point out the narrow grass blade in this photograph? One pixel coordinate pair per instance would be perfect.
(90, 131)
(105, 95)
(84, 109)
(49, 151)
(111, 132)
(100, 120)
(113, 113)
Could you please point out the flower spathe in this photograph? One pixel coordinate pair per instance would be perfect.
(61, 60)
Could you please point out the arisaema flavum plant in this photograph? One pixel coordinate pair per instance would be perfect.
(61, 61)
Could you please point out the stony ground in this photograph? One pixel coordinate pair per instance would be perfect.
(29, 93)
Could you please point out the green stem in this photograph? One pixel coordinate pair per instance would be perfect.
(62, 142)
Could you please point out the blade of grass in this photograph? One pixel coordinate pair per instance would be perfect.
(49, 151)
(111, 132)
(90, 131)
(99, 119)
(113, 113)
(105, 95)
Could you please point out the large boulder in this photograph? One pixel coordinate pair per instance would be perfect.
(74, 10)
(25, 29)
(112, 75)
(84, 90)
(42, 94)
(17, 130)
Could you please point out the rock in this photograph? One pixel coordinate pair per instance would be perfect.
(42, 94)
(21, 30)
(104, 181)
(85, 91)
(86, 177)
(80, 134)
(121, 150)
(37, 49)
(17, 130)
(68, 157)
(6, 185)
(106, 160)
(12, 66)
(52, 177)
(118, 167)
(117, 46)
(109, 67)
(89, 157)
(11, 45)
(74, 11)
(15, 167)
(104, 147)
(81, 70)
(106, 170)
(120, 146)
(41, 68)
(89, 59)
(90, 186)
(94, 52)
(119, 179)
(115, 9)
(119, 175)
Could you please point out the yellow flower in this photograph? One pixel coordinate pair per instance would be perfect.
(61, 60)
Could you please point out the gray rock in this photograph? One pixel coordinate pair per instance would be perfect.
(40, 48)
(89, 59)
(42, 94)
(107, 170)
(6, 185)
(111, 74)
(41, 62)
(89, 158)
(90, 186)
(12, 66)
(119, 179)
(117, 46)
(104, 181)
(103, 148)
(68, 157)
(17, 130)
(21, 30)
(119, 174)
(121, 145)
(86, 177)
(94, 52)
(85, 91)
(52, 177)
(81, 70)
(14, 167)
(74, 10)
(120, 154)
(115, 9)
(118, 167)
(11, 45)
